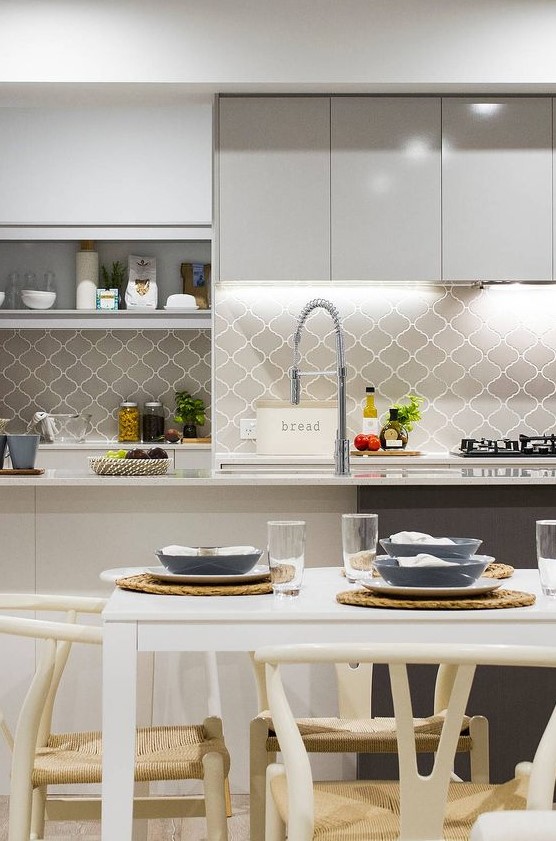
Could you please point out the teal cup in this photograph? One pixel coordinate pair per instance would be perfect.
(23, 450)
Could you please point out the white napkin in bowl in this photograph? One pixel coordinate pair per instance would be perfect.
(179, 550)
(418, 537)
(217, 550)
(424, 560)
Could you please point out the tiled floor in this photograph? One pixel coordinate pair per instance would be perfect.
(192, 829)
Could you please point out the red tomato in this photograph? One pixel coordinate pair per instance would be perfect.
(374, 443)
(361, 442)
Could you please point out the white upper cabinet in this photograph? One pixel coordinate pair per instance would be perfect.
(497, 189)
(385, 188)
(274, 188)
(104, 166)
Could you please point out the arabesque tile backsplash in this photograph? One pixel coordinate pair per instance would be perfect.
(93, 370)
(484, 360)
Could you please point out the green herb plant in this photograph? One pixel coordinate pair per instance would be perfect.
(189, 410)
(113, 278)
(409, 413)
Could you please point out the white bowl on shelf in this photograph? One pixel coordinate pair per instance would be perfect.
(182, 302)
(36, 299)
(2, 296)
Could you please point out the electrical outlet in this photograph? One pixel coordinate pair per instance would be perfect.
(248, 429)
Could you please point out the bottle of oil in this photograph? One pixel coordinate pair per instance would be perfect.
(392, 435)
(370, 414)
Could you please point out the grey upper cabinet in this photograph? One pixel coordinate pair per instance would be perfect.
(106, 166)
(497, 188)
(385, 188)
(274, 188)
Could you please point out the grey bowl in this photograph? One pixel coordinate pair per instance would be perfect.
(463, 547)
(208, 562)
(464, 574)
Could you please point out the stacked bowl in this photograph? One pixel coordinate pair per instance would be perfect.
(420, 564)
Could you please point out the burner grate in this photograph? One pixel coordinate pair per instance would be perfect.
(524, 446)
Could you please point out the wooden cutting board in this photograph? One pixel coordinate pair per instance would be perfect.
(34, 471)
(386, 453)
(196, 440)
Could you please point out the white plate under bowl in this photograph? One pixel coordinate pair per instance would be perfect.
(112, 575)
(482, 585)
(256, 574)
(181, 309)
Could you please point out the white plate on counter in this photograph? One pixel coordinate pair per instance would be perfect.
(256, 574)
(482, 585)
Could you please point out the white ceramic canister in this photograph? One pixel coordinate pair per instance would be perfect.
(86, 276)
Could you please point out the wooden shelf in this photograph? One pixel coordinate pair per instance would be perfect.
(104, 320)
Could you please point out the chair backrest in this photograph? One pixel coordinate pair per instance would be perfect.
(422, 798)
(35, 717)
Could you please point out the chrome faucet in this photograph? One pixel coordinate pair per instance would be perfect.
(341, 450)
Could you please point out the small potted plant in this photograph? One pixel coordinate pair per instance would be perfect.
(114, 278)
(190, 411)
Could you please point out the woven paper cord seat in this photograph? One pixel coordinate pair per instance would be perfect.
(162, 753)
(371, 812)
(41, 759)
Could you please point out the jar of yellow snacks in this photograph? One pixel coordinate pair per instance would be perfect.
(128, 422)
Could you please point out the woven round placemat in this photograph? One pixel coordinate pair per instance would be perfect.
(488, 601)
(495, 570)
(146, 583)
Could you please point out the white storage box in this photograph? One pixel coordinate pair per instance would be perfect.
(305, 430)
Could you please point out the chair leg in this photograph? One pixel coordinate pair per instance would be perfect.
(275, 828)
(259, 758)
(215, 798)
(479, 758)
(38, 813)
(228, 797)
(19, 824)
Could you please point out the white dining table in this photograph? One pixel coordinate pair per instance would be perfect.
(136, 622)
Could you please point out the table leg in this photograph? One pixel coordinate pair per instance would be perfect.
(119, 713)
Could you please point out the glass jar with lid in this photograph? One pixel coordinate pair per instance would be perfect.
(153, 421)
(128, 422)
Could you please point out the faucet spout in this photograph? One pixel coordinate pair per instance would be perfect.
(341, 451)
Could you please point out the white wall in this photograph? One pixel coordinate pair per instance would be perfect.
(319, 44)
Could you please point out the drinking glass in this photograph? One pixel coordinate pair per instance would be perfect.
(286, 556)
(30, 280)
(359, 539)
(49, 282)
(13, 291)
(546, 555)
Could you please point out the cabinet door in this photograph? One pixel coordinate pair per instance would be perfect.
(497, 189)
(274, 188)
(106, 166)
(385, 187)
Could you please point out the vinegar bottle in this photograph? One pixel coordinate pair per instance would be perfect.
(370, 414)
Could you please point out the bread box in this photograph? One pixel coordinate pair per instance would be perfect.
(308, 429)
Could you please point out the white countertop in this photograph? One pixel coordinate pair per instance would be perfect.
(379, 475)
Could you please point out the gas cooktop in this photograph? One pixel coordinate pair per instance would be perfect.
(524, 446)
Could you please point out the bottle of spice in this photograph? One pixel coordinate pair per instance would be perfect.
(128, 422)
(153, 421)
